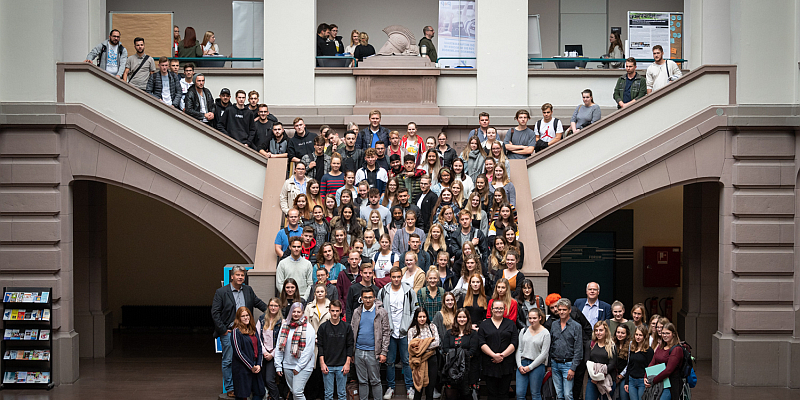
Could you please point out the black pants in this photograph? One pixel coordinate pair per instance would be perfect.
(433, 372)
(577, 386)
(498, 386)
(270, 379)
(540, 145)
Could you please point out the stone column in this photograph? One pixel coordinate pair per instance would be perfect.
(85, 27)
(289, 77)
(755, 344)
(92, 315)
(697, 320)
(502, 52)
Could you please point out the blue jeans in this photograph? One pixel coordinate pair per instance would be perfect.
(227, 358)
(635, 388)
(666, 394)
(592, 393)
(398, 348)
(532, 379)
(335, 373)
(563, 386)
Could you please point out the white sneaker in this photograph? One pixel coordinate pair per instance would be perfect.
(411, 394)
(389, 394)
(436, 394)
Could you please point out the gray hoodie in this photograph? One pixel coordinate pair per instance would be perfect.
(409, 305)
(123, 58)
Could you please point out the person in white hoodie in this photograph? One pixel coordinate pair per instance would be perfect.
(400, 300)
(294, 359)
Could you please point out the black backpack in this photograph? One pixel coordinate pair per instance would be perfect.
(687, 363)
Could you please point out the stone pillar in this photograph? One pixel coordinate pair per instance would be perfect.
(502, 69)
(85, 28)
(755, 344)
(697, 320)
(289, 78)
(92, 315)
(36, 228)
(707, 27)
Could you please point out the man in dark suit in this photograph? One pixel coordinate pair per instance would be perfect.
(426, 202)
(594, 310)
(227, 300)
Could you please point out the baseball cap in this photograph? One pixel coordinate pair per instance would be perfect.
(225, 91)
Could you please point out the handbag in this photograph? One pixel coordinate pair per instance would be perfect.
(352, 390)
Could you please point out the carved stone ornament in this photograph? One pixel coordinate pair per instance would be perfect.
(401, 42)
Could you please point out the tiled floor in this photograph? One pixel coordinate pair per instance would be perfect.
(164, 366)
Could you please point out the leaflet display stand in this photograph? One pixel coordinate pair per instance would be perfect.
(27, 338)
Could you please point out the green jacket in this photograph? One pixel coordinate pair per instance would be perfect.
(431, 48)
(638, 88)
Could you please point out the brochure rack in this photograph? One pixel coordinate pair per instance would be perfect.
(27, 346)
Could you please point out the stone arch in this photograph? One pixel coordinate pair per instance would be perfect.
(700, 160)
(101, 151)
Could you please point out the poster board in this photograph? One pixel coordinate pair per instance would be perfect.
(647, 29)
(534, 37)
(154, 27)
(456, 33)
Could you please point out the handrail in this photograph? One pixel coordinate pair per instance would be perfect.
(587, 59)
(254, 59)
(456, 58)
(643, 102)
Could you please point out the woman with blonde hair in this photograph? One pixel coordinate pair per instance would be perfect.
(447, 219)
(209, 44)
(375, 224)
(499, 155)
(655, 331)
(501, 180)
(354, 42)
(602, 356)
(497, 258)
(474, 205)
(268, 327)
(435, 242)
(364, 49)
(502, 292)
(458, 194)
(618, 312)
(445, 317)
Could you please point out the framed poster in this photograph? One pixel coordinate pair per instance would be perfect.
(647, 29)
(456, 33)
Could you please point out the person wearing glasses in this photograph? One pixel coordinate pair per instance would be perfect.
(110, 54)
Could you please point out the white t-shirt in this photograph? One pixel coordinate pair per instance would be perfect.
(184, 88)
(112, 59)
(396, 310)
(383, 265)
(409, 279)
(546, 130)
(166, 96)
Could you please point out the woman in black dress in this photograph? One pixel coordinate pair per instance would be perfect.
(498, 340)
(474, 301)
(462, 336)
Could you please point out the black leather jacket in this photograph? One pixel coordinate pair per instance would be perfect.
(192, 102)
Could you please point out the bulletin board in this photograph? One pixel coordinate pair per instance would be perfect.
(154, 27)
(647, 29)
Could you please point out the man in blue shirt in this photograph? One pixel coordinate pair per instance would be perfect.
(566, 351)
(370, 325)
(293, 229)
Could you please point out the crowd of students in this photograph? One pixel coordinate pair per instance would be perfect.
(446, 342)
(415, 261)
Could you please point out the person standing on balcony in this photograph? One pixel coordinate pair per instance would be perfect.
(238, 121)
(520, 141)
(548, 130)
(110, 54)
(630, 87)
(427, 41)
(325, 46)
(139, 66)
(661, 72)
(165, 85)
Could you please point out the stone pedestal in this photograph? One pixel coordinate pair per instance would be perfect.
(398, 86)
